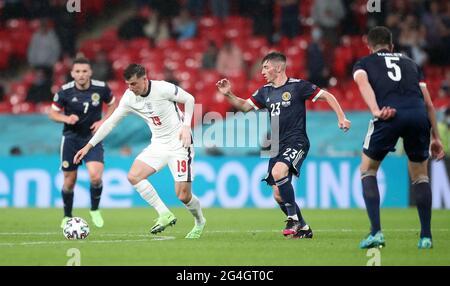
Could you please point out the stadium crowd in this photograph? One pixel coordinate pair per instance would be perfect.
(196, 42)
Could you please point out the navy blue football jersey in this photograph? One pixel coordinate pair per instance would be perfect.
(394, 78)
(287, 104)
(86, 104)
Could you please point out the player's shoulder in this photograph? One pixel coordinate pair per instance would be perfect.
(68, 86)
(99, 85)
(297, 82)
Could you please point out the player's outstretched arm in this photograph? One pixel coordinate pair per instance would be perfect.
(366, 90)
(224, 86)
(81, 153)
(343, 122)
(437, 150)
(59, 117)
(111, 107)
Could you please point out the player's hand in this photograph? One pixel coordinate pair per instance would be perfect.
(224, 86)
(80, 154)
(96, 125)
(185, 136)
(345, 124)
(437, 150)
(385, 113)
(72, 119)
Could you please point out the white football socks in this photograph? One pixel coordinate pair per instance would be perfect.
(149, 194)
(194, 207)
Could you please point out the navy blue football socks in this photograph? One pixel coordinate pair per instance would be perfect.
(423, 201)
(96, 192)
(371, 197)
(68, 203)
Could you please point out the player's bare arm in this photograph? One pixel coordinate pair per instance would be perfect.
(343, 122)
(59, 117)
(437, 150)
(81, 153)
(111, 107)
(224, 86)
(368, 94)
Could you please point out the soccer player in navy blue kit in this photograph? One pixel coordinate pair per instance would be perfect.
(285, 99)
(82, 101)
(393, 87)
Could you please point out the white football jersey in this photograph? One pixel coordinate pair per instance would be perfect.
(159, 110)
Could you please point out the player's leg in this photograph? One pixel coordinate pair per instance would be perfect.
(282, 178)
(146, 164)
(70, 178)
(180, 165)
(279, 200)
(381, 138)
(95, 170)
(422, 190)
(371, 195)
(192, 203)
(416, 141)
(68, 150)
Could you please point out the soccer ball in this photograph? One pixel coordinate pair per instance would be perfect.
(76, 228)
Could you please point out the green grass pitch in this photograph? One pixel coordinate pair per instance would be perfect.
(239, 237)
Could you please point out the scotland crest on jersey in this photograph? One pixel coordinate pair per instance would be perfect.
(95, 99)
(286, 96)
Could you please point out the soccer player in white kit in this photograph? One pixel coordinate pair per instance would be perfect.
(171, 143)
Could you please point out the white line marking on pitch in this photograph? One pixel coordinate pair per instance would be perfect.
(157, 238)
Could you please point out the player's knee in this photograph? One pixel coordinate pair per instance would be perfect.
(278, 173)
(367, 173)
(184, 195)
(133, 178)
(277, 197)
(420, 179)
(96, 179)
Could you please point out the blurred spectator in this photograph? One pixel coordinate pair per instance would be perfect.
(328, 15)
(44, 49)
(125, 150)
(444, 131)
(196, 7)
(65, 26)
(317, 71)
(15, 151)
(40, 90)
(101, 67)
(170, 77)
(134, 26)
(2, 92)
(230, 60)
(37, 9)
(290, 18)
(444, 90)
(166, 8)
(262, 12)
(209, 58)
(393, 23)
(13, 9)
(220, 8)
(157, 28)
(412, 40)
(184, 27)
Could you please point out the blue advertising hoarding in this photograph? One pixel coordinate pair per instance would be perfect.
(229, 182)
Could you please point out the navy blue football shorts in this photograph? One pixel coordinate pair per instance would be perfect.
(412, 125)
(292, 155)
(70, 145)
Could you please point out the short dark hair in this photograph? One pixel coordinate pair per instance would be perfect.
(274, 56)
(81, 60)
(379, 36)
(133, 70)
